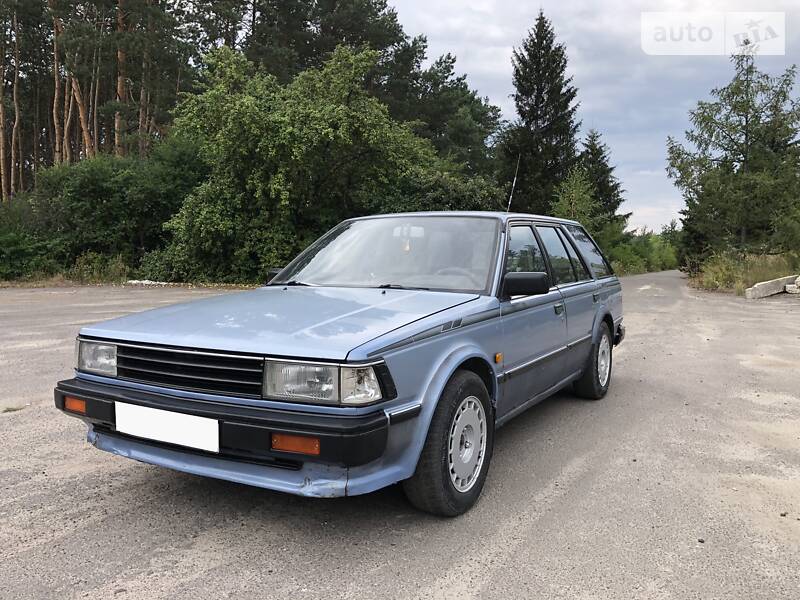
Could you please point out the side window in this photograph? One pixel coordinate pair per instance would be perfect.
(524, 254)
(559, 259)
(577, 263)
(592, 253)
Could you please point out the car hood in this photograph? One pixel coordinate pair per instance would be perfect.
(312, 322)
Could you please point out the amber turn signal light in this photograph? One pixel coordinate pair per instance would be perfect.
(299, 444)
(75, 405)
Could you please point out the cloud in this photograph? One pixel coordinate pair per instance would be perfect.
(633, 99)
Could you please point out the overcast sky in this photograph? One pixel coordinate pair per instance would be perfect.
(633, 99)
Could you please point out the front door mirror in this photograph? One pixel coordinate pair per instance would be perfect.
(526, 284)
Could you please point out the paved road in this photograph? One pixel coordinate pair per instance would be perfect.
(698, 439)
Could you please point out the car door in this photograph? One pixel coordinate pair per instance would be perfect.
(534, 327)
(579, 290)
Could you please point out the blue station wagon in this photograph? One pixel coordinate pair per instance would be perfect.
(390, 350)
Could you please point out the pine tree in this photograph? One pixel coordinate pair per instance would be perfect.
(595, 161)
(544, 135)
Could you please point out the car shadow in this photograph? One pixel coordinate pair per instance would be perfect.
(203, 495)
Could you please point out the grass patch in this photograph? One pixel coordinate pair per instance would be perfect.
(735, 273)
(10, 409)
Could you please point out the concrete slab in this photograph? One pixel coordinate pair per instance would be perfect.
(769, 288)
(793, 289)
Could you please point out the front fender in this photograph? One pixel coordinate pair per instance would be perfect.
(406, 439)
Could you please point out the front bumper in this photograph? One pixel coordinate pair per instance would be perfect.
(245, 431)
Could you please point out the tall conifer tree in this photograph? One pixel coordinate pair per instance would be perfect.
(596, 163)
(543, 137)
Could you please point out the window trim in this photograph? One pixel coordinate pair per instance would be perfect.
(556, 227)
(571, 243)
(607, 262)
(503, 271)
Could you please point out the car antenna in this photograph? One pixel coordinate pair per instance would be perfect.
(514, 185)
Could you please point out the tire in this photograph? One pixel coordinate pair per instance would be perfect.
(437, 487)
(591, 385)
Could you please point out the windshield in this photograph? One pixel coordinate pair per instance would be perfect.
(436, 253)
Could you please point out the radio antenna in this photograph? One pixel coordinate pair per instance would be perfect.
(514, 185)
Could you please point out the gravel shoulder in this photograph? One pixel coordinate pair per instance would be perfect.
(684, 482)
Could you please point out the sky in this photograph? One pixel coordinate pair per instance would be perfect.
(635, 100)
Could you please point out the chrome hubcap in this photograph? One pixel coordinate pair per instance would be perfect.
(604, 360)
(467, 444)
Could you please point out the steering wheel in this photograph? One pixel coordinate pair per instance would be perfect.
(459, 271)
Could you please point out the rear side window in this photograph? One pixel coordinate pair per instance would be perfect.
(577, 264)
(524, 254)
(590, 251)
(559, 259)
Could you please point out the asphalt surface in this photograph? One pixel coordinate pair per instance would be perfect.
(684, 482)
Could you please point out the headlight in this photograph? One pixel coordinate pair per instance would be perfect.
(359, 386)
(321, 384)
(97, 358)
(304, 382)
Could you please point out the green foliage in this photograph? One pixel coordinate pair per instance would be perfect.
(91, 267)
(544, 137)
(596, 162)
(287, 162)
(739, 172)
(575, 200)
(632, 252)
(732, 271)
(81, 214)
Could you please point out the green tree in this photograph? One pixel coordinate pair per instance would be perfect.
(288, 162)
(738, 172)
(543, 138)
(575, 199)
(440, 106)
(595, 160)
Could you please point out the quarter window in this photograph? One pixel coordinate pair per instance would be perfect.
(559, 259)
(590, 250)
(524, 254)
(577, 263)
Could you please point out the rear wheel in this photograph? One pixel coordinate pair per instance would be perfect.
(596, 377)
(455, 459)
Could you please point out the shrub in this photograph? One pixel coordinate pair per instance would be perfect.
(735, 272)
(98, 268)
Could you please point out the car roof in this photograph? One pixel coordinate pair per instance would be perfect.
(502, 216)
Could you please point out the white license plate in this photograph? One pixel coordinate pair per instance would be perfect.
(167, 426)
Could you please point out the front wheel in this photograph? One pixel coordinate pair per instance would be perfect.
(455, 459)
(596, 377)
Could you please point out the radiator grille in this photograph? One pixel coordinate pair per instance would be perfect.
(198, 370)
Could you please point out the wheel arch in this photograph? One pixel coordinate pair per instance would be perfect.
(608, 320)
(471, 358)
(481, 367)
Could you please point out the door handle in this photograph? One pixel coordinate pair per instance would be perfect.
(559, 308)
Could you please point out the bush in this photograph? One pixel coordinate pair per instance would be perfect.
(98, 268)
(95, 219)
(736, 272)
(24, 257)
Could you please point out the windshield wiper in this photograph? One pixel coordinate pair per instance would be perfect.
(292, 283)
(396, 286)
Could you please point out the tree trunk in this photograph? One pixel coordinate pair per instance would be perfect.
(16, 145)
(119, 148)
(37, 133)
(69, 111)
(57, 131)
(3, 163)
(83, 115)
(96, 102)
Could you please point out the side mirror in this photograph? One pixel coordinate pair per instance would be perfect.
(273, 273)
(526, 284)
